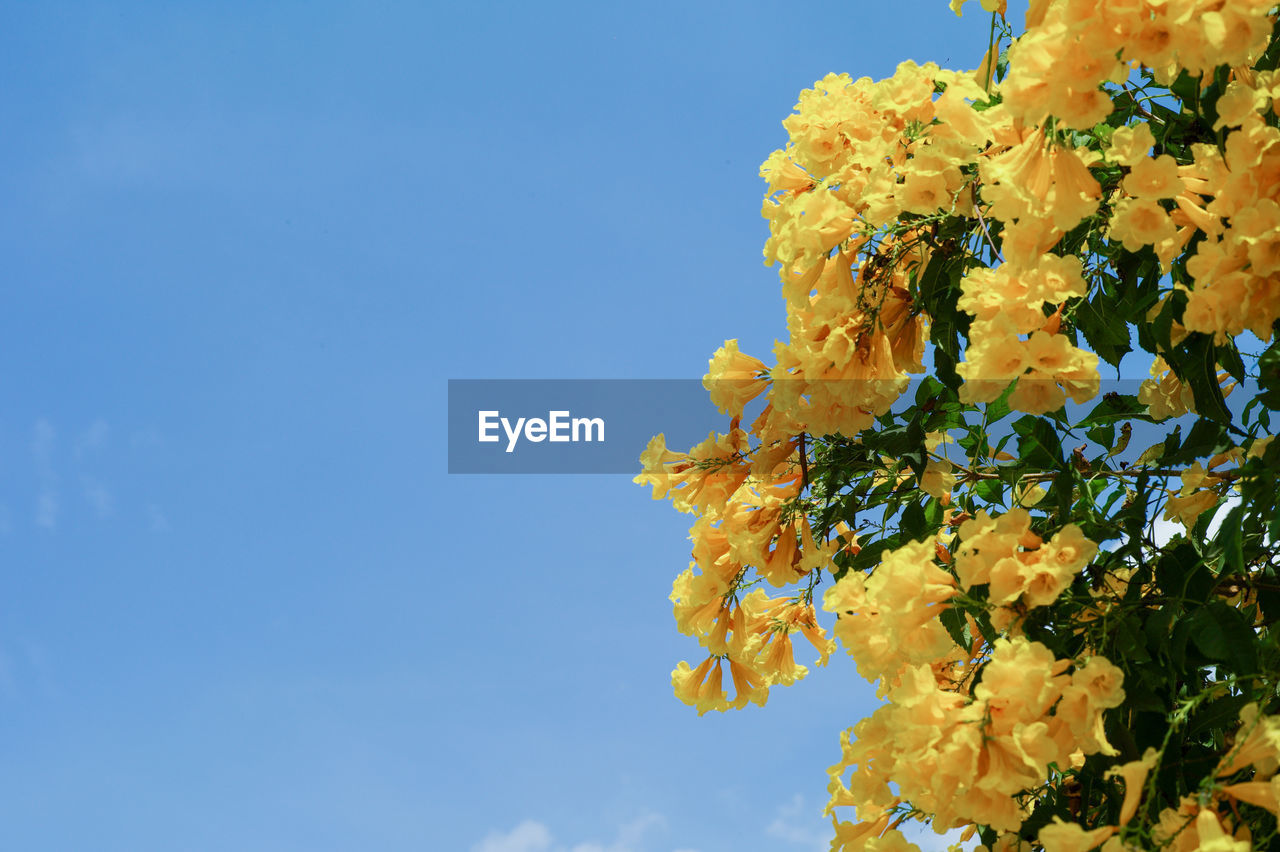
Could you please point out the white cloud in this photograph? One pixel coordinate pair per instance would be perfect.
(629, 836)
(799, 825)
(98, 496)
(803, 827)
(929, 840)
(92, 438)
(1162, 531)
(47, 509)
(528, 836)
(42, 438)
(157, 519)
(144, 439)
(534, 836)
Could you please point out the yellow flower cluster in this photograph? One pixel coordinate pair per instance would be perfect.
(859, 204)
(1164, 394)
(740, 502)
(1235, 267)
(1016, 565)
(968, 759)
(963, 759)
(1072, 47)
(862, 154)
(850, 349)
(888, 621)
(1006, 303)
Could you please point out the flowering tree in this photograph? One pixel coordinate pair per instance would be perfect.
(1059, 669)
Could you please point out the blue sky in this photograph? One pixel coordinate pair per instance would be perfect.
(243, 606)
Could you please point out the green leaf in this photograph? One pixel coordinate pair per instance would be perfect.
(1186, 87)
(897, 441)
(990, 490)
(1198, 367)
(1096, 320)
(1269, 376)
(1221, 633)
(1157, 335)
(983, 620)
(1038, 443)
(1183, 575)
(1230, 540)
(1206, 438)
(1216, 714)
(1103, 435)
(912, 522)
(1114, 407)
(1141, 698)
(1000, 408)
(1157, 628)
(957, 627)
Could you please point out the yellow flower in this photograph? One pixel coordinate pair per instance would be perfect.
(777, 661)
(1237, 103)
(1154, 178)
(734, 379)
(1134, 774)
(1129, 145)
(1262, 794)
(992, 361)
(938, 480)
(1164, 394)
(1259, 742)
(750, 685)
(700, 687)
(1186, 508)
(1020, 682)
(1102, 681)
(1037, 393)
(923, 193)
(1061, 836)
(1212, 836)
(998, 6)
(1140, 222)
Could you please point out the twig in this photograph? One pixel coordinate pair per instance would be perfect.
(983, 223)
(804, 464)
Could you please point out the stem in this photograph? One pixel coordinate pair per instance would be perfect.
(991, 43)
(983, 222)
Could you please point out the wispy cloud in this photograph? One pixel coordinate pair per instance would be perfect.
(97, 495)
(47, 509)
(801, 826)
(93, 438)
(630, 836)
(929, 840)
(534, 836)
(42, 442)
(156, 518)
(528, 836)
(144, 439)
